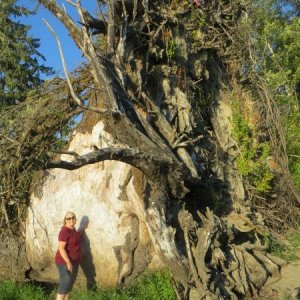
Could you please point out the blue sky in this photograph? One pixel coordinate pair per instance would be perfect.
(48, 44)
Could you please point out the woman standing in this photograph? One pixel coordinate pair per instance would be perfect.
(68, 255)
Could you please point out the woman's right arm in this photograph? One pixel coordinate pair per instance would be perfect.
(64, 254)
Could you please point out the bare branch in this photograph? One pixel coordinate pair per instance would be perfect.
(82, 39)
(147, 163)
(134, 12)
(181, 144)
(99, 71)
(76, 99)
(111, 25)
(71, 2)
(65, 19)
(294, 155)
(155, 35)
(63, 5)
(123, 37)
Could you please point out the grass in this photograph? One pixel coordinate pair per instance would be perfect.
(151, 287)
(290, 250)
(14, 291)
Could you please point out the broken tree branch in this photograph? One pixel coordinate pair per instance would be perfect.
(76, 99)
(74, 96)
(65, 19)
(144, 161)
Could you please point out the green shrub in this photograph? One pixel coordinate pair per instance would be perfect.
(292, 129)
(252, 158)
(172, 48)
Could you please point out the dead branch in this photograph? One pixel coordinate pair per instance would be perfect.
(76, 99)
(65, 19)
(74, 96)
(111, 25)
(130, 156)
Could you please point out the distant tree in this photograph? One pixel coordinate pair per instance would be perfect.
(20, 68)
(277, 29)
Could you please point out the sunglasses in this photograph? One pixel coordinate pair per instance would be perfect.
(71, 218)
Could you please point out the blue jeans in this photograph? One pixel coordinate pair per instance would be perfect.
(66, 278)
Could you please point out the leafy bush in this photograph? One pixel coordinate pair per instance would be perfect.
(276, 30)
(252, 159)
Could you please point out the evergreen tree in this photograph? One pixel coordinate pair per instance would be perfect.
(19, 66)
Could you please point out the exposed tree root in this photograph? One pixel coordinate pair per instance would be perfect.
(222, 266)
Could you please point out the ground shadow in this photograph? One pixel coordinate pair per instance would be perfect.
(87, 264)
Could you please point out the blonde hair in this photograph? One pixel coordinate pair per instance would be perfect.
(68, 213)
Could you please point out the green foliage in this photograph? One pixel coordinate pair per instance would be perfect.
(155, 286)
(252, 159)
(275, 247)
(292, 122)
(276, 33)
(241, 129)
(199, 17)
(151, 287)
(19, 67)
(171, 48)
(290, 250)
(287, 297)
(294, 239)
(278, 40)
(15, 291)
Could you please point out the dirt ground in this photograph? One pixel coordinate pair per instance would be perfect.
(286, 286)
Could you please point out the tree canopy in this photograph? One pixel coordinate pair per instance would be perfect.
(277, 36)
(20, 68)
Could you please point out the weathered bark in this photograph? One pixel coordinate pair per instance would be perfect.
(154, 87)
(129, 156)
(13, 259)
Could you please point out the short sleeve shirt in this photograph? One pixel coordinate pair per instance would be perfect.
(73, 240)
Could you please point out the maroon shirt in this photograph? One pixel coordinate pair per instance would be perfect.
(73, 239)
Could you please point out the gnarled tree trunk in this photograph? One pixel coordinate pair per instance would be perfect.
(160, 105)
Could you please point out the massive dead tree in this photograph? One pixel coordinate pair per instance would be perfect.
(164, 70)
(149, 73)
